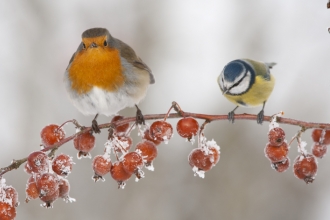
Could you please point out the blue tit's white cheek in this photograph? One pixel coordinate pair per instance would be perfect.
(220, 81)
(243, 86)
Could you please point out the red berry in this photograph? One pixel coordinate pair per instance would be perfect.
(11, 195)
(305, 168)
(203, 159)
(62, 165)
(147, 137)
(276, 153)
(132, 162)
(122, 128)
(101, 166)
(84, 143)
(161, 131)
(281, 166)
(118, 173)
(64, 188)
(123, 144)
(38, 162)
(31, 189)
(47, 184)
(7, 212)
(148, 151)
(276, 136)
(51, 134)
(49, 199)
(321, 136)
(27, 168)
(319, 150)
(187, 127)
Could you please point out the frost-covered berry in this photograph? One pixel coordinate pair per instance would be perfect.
(276, 136)
(119, 174)
(319, 150)
(121, 130)
(38, 162)
(11, 196)
(305, 167)
(148, 151)
(132, 162)
(276, 153)
(62, 165)
(281, 166)
(122, 144)
(31, 189)
(47, 184)
(101, 166)
(187, 127)
(49, 199)
(51, 134)
(161, 131)
(203, 159)
(321, 136)
(147, 137)
(7, 212)
(84, 143)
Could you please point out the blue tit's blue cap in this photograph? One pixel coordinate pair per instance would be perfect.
(233, 70)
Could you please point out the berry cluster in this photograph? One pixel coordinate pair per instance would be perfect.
(305, 164)
(128, 163)
(8, 201)
(321, 140)
(47, 180)
(207, 153)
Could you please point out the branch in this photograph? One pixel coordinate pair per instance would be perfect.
(304, 125)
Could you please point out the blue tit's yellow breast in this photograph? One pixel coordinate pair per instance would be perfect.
(256, 95)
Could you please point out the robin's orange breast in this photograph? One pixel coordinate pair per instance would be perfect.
(99, 67)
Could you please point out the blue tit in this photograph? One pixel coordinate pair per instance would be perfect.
(247, 83)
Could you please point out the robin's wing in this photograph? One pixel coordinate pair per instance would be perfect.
(80, 47)
(128, 53)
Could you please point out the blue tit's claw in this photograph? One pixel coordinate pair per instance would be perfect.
(260, 117)
(139, 116)
(231, 116)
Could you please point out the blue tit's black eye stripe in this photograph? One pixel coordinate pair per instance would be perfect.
(247, 68)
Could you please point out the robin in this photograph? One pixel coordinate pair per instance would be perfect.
(105, 76)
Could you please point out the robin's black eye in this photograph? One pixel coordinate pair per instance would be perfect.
(105, 43)
(84, 46)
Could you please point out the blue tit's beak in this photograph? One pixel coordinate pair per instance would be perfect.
(225, 91)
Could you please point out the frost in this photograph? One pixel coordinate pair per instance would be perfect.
(69, 199)
(301, 148)
(165, 139)
(273, 123)
(106, 156)
(81, 155)
(192, 140)
(150, 167)
(198, 172)
(78, 130)
(121, 185)
(139, 175)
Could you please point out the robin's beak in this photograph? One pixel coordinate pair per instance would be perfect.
(93, 45)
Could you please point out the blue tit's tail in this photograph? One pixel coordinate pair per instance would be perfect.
(270, 65)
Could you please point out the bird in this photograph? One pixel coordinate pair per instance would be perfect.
(105, 75)
(247, 83)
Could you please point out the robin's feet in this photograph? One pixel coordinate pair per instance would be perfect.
(139, 116)
(95, 126)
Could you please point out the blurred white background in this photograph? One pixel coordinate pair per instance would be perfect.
(186, 43)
